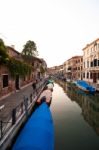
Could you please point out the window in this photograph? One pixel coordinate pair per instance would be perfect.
(5, 81)
(78, 68)
(69, 68)
(98, 62)
(33, 64)
(98, 75)
(90, 75)
(84, 64)
(87, 64)
(91, 64)
(95, 62)
(87, 75)
(81, 59)
(83, 75)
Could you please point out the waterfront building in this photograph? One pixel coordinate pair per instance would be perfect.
(13, 53)
(9, 84)
(73, 68)
(56, 70)
(91, 63)
(65, 69)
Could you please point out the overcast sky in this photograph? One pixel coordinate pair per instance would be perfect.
(60, 28)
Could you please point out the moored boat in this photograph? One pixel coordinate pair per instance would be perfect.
(38, 133)
(83, 85)
(50, 81)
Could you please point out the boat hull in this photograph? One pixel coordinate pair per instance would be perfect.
(85, 86)
(38, 133)
(83, 89)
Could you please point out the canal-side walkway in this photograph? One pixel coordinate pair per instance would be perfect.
(14, 100)
(17, 108)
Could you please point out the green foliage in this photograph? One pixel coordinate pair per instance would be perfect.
(30, 49)
(28, 59)
(18, 67)
(3, 53)
(14, 66)
(42, 70)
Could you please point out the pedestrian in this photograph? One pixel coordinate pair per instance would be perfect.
(34, 86)
(46, 96)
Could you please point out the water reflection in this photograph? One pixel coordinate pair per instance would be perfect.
(88, 103)
(62, 84)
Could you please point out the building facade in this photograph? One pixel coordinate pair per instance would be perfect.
(9, 84)
(91, 63)
(73, 68)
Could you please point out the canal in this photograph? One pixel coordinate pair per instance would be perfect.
(76, 118)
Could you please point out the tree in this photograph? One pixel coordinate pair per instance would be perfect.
(30, 49)
(42, 70)
(3, 52)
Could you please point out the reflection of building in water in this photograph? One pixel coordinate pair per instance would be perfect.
(89, 105)
(90, 111)
(62, 84)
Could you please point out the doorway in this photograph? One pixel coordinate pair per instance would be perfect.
(17, 82)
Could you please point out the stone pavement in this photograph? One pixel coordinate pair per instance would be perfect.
(13, 100)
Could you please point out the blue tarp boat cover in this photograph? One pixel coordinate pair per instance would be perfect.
(86, 85)
(38, 133)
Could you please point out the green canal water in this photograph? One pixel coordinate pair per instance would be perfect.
(76, 118)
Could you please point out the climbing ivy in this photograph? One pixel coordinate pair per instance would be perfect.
(18, 67)
(3, 53)
(42, 70)
(14, 66)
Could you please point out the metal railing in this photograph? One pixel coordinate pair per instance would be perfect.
(21, 110)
